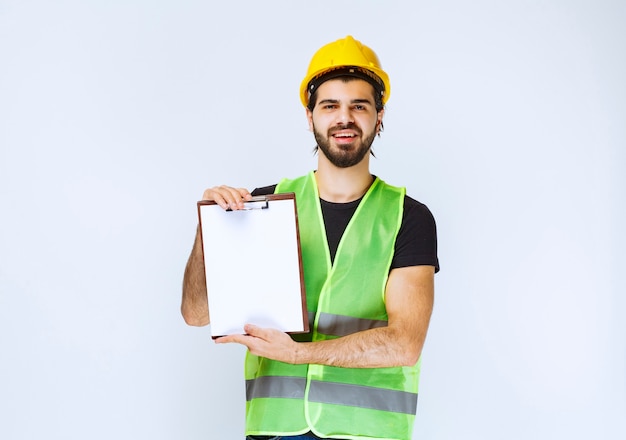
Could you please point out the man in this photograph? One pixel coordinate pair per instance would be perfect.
(369, 256)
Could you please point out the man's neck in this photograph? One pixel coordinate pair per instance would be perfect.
(342, 185)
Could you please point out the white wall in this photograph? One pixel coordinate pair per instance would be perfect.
(505, 118)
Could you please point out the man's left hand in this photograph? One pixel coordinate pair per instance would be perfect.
(265, 342)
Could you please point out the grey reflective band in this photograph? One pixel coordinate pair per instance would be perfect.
(276, 386)
(382, 399)
(364, 397)
(340, 325)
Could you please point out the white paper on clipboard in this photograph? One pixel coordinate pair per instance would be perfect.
(253, 265)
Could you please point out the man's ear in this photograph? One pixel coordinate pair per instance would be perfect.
(309, 118)
(379, 121)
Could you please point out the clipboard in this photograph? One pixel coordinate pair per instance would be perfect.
(253, 265)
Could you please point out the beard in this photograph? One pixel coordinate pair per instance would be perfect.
(344, 156)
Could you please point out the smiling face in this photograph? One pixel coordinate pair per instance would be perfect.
(344, 120)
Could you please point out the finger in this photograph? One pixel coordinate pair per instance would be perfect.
(239, 196)
(244, 193)
(229, 339)
(233, 197)
(214, 194)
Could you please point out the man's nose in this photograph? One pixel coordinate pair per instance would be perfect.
(345, 115)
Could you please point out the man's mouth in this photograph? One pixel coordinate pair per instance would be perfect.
(344, 135)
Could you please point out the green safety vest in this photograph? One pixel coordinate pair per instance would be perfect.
(342, 298)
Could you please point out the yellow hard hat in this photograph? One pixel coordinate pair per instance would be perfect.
(346, 56)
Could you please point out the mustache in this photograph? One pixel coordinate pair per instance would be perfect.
(347, 126)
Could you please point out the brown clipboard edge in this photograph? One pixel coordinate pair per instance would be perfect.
(269, 198)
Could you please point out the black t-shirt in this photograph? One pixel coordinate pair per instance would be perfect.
(416, 244)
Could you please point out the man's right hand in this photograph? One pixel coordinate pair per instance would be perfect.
(228, 197)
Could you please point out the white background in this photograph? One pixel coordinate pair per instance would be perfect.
(505, 118)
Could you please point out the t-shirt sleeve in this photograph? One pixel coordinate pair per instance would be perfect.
(264, 190)
(416, 244)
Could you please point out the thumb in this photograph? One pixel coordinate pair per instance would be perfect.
(256, 331)
(253, 330)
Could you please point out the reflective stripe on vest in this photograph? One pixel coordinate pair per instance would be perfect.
(337, 325)
(344, 298)
(333, 393)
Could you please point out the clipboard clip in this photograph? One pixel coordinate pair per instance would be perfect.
(257, 202)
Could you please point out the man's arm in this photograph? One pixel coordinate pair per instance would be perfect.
(409, 300)
(195, 305)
